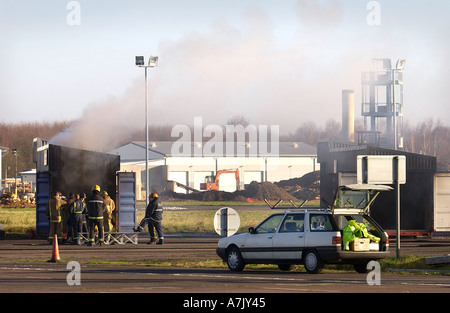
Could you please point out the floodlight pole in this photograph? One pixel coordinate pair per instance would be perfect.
(146, 139)
(15, 152)
(397, 207)
(152, 63)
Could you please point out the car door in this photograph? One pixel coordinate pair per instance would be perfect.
(258, 245)
(289, 241)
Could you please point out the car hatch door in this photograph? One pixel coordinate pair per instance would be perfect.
(356, 198)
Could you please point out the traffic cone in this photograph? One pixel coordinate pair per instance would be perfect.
(55, 251)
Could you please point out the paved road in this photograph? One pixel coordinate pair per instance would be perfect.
(56, 278)
(23, 268)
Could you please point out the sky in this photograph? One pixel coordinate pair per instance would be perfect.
(273, 62)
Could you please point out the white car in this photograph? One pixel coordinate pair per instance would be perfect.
(309, 236)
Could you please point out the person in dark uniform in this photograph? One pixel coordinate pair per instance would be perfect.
(95, 211)
(78, 215)
(153, 217)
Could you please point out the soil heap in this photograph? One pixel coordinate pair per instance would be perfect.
(303, 188)
(306, 187)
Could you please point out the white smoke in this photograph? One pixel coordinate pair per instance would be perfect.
(247, 71)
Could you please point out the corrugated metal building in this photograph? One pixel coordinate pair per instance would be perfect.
(189, 163)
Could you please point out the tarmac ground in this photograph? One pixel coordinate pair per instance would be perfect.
(136, 268)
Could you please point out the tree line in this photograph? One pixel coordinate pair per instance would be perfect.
(429, 137)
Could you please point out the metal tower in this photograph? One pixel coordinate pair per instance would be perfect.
(382, 105)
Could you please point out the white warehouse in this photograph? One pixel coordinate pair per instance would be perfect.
(190, 163)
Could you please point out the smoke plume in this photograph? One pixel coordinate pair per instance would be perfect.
(251, 71)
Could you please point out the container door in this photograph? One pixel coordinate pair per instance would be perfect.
(126, 201)
(42, 197)
(442, 202)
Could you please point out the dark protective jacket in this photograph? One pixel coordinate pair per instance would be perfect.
(79, 210)
(95, 206)
(154, 210)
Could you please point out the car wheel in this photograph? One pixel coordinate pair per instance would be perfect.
(235, 261)
(286, 267)
(313, 263)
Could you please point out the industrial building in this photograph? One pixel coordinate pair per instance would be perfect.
(185, 172)
(425, 197)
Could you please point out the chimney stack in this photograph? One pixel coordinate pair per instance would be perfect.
(348, 116)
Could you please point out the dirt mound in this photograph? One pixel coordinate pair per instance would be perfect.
(306, 187)
(212, 195)
(254, 191)
(266, 190)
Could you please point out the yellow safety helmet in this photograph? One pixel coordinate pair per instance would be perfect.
(154, 195)
(104, 193)
(96, 187)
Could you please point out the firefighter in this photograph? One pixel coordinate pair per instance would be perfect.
(153, 217)
(53, 213)
(95, 211)
(78, 217)
(67, 217)
(108, 212)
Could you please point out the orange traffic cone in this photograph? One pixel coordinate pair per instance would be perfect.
(55, 251)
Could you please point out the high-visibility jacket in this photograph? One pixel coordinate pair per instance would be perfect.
(356, 230)
(109, 207)
(53, 210)
(348, 236)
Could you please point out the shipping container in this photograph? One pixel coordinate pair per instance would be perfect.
(70, 170)
(338, 166)
(442, 202)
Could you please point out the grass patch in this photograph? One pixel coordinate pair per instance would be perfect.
(203, 221)
(17, 220)
(188, 203)
(411, 262)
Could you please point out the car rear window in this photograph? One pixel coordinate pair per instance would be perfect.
(322, 222)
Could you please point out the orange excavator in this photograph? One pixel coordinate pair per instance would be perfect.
(212, 182)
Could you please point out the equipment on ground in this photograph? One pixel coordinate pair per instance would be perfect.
(212, 182)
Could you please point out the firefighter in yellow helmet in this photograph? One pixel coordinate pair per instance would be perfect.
(95, 212)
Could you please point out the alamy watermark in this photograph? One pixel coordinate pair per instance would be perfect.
(73, 18)
(374, 16)
(374, 276)
(225, 141)
(74, 276)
